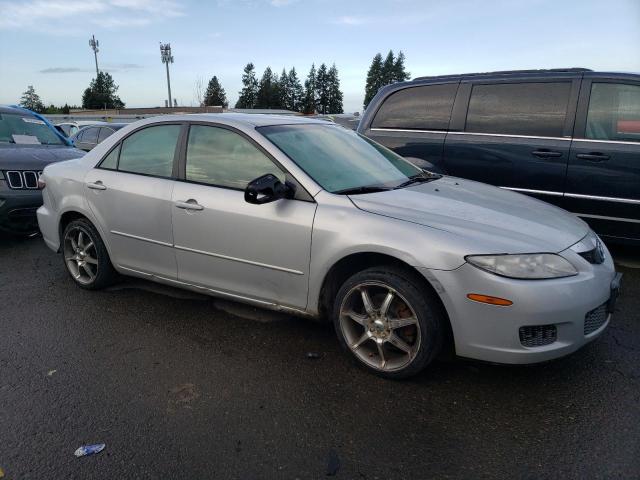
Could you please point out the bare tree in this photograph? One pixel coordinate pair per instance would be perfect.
(198, 91)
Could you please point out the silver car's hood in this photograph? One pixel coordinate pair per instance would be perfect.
(500, 220)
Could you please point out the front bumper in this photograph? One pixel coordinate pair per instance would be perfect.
(18, 210)
(493, 333)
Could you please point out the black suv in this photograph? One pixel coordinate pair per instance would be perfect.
(570, 137)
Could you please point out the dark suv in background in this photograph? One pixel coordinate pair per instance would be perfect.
(570, 137)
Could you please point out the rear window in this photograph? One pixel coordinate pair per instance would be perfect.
(536, 109)
(417, 108)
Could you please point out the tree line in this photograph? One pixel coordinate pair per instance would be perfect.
(320, 92)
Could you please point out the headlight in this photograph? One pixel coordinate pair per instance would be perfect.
(532, 266)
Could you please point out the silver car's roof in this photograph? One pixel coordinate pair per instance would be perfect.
(245, 119)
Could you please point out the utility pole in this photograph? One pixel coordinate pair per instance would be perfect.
(167, 58)
(94, 44)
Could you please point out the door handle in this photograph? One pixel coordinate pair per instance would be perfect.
(593, 156)
(546, 154)
(190, 204)
(96, 186)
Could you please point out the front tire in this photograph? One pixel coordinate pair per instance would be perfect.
(85, 256)
(389, 321)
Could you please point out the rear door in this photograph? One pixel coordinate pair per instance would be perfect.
(603, 181)
(413, 122)
(129, 193)
(514, 134)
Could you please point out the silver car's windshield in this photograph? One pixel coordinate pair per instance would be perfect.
(340, 160)
(24, 128)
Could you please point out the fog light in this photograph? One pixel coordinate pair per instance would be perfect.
(501, 302)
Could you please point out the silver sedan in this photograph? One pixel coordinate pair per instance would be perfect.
(310, 218)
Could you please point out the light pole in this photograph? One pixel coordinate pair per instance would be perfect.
(167, 58)
(94, 44)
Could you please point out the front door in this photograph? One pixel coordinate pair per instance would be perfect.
(130, 195)
(223, 243)
(517, 135)
(603, 180)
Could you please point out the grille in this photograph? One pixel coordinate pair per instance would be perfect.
(22, 179)
(538, 335)
(595, 319)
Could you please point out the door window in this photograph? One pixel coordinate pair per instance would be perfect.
(614, 112)
(90, 135)
(104, 133)
(217, 156)
(535, 109)
(417, 108)
(150, 151)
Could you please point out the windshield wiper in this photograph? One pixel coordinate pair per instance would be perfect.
(365, 189)
(419, 178)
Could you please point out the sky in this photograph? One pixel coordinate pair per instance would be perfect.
(45, 43)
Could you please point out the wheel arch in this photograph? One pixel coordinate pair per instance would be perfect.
(353, 263)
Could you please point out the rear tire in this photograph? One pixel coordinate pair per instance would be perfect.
(85, 256)
(390, 323)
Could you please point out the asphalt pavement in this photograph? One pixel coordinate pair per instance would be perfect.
(182, 386)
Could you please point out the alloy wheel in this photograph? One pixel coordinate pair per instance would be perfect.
(380, 326)
(81, 255)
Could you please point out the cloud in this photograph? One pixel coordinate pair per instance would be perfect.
(45, 15)
(109, 67)
(281, 3)
(395, 20)
(352, 20)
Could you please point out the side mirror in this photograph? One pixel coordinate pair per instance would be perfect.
(267, 188)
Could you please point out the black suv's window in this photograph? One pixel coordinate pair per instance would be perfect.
(537, 109)
(614, 112)
(150, 151)
(104, 133)
(417, 108)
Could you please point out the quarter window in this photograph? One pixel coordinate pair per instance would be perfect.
(110, 162)
(614, 112)
(220, 157)
(417, 108)
(150, 151)
(536, 109)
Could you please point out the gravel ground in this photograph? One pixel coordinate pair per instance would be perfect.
(183, 386)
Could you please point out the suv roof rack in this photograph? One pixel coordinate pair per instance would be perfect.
(510, 72)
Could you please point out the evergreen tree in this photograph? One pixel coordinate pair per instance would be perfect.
(399, 72)
(31, 100)
(268, 90)
(388, 71)
(284, 89)
(215, 94)
(322, 90)
(334, 102)
(374, 79)
(249, 92)
(101, 93)
(66, 109)
(309, 101)
(296, 93)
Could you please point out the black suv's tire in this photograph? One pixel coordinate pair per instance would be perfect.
(411, 330)
(85, 256)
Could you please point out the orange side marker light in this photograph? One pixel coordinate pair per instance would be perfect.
(501, 302)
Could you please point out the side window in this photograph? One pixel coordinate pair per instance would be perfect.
(150, 151)
(614, 112)
(417, 108)
(104, 133)
(220, 157)
(79, 136)
(110, 162)
(537, 109)
(90, 135)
